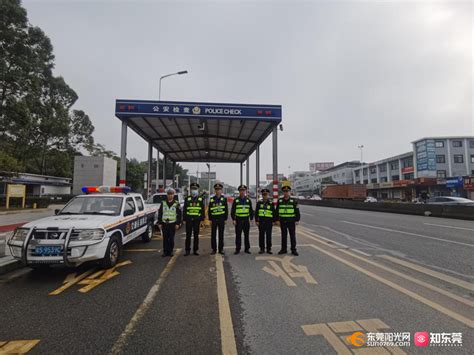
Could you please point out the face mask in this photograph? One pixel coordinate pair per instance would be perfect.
(194, 193)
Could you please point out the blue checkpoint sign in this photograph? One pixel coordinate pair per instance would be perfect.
(198, 110)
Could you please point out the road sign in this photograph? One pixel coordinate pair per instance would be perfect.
(16, 191)
(208, 176)
(270, 177)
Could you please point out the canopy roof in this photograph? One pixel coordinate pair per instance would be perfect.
(198, 131)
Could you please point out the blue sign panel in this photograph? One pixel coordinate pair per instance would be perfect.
(454, 182)
(426, 155)
(127, 108)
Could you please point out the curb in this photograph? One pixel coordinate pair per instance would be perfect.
(29, 210)
(10, 265)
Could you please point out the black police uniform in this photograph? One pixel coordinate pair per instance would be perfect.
(288, 213)
(169, 216)
(242, 213)
(218, 214)
(265, 216)
(193, 215)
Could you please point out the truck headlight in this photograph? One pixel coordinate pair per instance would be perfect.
(87, 234)
(20, 234)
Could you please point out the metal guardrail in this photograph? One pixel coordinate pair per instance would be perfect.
(445, 211)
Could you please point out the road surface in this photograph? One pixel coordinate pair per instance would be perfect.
(372, 272)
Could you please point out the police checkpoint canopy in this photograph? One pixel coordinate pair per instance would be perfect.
(200, 131)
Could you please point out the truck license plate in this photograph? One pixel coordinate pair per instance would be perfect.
(46, 250)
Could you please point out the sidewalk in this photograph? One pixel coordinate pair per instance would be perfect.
(7, 262)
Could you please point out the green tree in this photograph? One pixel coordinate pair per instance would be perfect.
(38, 131)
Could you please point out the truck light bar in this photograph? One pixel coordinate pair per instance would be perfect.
(106, 189)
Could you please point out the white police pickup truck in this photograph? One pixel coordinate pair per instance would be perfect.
(93, 226)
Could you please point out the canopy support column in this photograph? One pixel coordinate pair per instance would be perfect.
(275, 164)
(148, 175)
(247, 174)
(164, 171)
(241, 173)
(157, 169)
(123, 155)
(175, 184)
(257, 174)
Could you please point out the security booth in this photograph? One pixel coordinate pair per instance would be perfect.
(200, 132)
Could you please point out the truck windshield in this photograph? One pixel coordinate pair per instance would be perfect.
(94, 205)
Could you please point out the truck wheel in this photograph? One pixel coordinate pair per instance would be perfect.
(111, 254)
(146, 237)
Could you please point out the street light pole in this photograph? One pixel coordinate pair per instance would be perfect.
(361, 147)
(167, 75)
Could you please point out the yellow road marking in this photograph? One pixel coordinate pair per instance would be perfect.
(333, 333)
(17, 346)
(344, 327)
(333, 340)
(393, 285)
(409, 233)
(228, 344)
(414, 280)
(144, 250)
(100, 277)
(374, 326)
(409, 278)
(71, 280)
(287, 271)
(464, 284)
(150, 297)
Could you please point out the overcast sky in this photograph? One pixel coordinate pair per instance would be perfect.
(376, 73)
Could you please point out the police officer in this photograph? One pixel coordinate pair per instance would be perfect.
(169, 217)
(288, 214)
(193, 216)
(218, 214)
(241, 214)
(265, 216)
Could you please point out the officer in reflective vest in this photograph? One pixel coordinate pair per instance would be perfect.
(265, 216)
(241, 214)
(218, 213)
(288, 214)
(193, 216)
(169, 217)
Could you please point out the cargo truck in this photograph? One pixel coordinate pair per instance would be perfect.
(345, 192)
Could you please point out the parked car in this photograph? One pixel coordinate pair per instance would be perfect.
(155, 200)
(370, 199)
(450, 200)
(316, 198)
